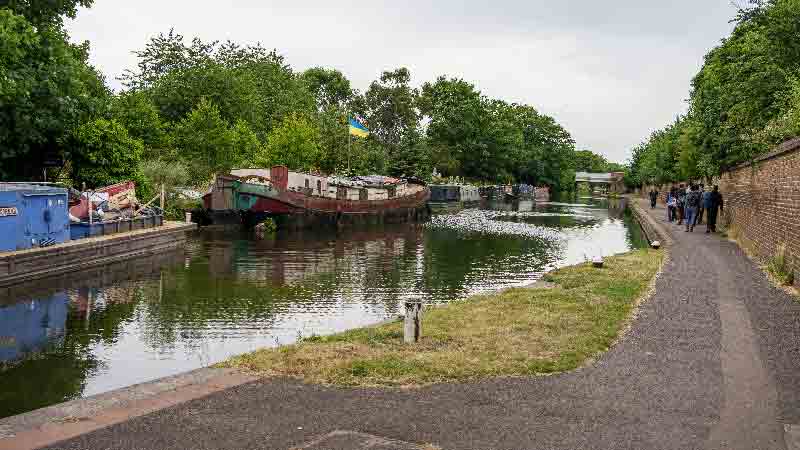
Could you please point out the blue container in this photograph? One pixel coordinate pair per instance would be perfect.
(84, 230)
(32, 216)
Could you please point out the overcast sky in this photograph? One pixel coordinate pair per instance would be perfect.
(610, 72)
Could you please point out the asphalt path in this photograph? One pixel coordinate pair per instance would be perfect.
(712, 361)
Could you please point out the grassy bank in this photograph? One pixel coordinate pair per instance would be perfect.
(517, 332)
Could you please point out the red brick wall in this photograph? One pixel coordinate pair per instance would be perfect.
(762, 202)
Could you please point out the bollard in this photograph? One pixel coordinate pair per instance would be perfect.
(655, 244)
(412, 329)
(188, 217)
(597, 261)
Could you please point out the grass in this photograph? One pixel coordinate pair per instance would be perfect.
(778, 267)
(518, 332)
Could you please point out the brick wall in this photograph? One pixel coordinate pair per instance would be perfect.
(762, 203)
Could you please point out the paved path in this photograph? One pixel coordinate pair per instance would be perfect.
(712, 362)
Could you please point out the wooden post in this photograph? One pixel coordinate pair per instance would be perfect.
(162, 196)
(412, 329)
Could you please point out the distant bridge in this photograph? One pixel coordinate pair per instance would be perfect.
(610, 182)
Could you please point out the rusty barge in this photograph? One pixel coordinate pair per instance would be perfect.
(296, 200)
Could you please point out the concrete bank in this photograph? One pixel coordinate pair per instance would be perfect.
(25, 265)
(56, 423)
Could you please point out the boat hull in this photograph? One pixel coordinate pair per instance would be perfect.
(296, 210)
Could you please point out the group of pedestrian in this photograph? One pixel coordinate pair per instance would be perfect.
(687, 205)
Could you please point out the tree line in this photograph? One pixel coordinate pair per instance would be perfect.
(192, 108)
(743, 102)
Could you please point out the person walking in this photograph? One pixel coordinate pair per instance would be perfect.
(692, 205)
(670, 207)
(714, 206)
(701, 209)
(653, 198)
(681, 204)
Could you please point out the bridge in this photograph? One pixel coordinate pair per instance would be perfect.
(607, 182)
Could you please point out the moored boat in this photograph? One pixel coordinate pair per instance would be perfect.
(299, 200)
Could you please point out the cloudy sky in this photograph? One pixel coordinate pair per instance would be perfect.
(610, 72)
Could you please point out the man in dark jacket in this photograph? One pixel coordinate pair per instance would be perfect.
(692, 205)
(653, 198)
(714, 204)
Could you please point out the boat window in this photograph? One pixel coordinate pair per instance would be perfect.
(392, 191)
(363, 194)
(307, 184)
(341, 193)
(319, 186)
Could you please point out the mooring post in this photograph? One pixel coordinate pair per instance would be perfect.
(162, 198)
(412, 329)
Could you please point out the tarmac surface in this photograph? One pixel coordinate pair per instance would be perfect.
(711, 362)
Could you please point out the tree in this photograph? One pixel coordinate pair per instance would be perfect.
(47, 89)
(136, 111)
(103, 153)
(411, 157)
(45, 13)
(208, 144)
(586, 161)
(455, 113)
(294, 143)
(246, 83)
(389, 107)
(330, 88)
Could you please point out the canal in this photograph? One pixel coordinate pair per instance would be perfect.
(228, 293)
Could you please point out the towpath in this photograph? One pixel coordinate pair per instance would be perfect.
(711, 362)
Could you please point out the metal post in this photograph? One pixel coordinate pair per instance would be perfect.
(412, 326)
(89, 197)
(162, 197)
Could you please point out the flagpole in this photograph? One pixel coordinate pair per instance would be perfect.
(348, 144)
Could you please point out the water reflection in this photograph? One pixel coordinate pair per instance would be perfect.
(231, 292)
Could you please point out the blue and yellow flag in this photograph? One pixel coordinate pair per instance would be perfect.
(356, 129)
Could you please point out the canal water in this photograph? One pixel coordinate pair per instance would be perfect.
(228, 293)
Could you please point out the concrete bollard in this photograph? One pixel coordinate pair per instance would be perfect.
(412, 324)
(188, 217)
(597, 261)
(655, 244)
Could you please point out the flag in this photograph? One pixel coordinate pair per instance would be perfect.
(356, 129)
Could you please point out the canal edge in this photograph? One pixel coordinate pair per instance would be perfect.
(653, 231)
(56, 423)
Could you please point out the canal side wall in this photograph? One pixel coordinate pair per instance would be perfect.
(25, 265)
(762, 204)
(651, 228)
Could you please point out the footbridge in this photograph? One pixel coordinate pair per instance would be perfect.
(608, 182)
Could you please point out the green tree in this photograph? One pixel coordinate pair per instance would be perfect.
(208, 144)
(47, 89)
(103, 153)
(330, 88)
(455, 113)
(411, 157)
(45, 13)
(587, 161)
(389, 106)
(294, 143)
(136, 111)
